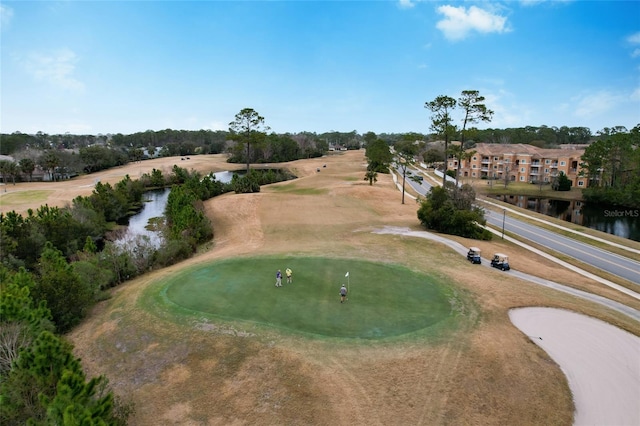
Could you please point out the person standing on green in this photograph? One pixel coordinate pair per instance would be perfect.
(343, 293)
(289, 273)
(278, 278)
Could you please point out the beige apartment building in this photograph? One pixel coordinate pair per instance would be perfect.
(522, 163)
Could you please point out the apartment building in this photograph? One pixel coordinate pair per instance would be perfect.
(522, 163)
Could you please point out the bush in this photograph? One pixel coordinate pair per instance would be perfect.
(450, 211)
(561, 183)
(174, 251)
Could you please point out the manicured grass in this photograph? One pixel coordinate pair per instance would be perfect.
(21, 197)
(292, 188)
(384, 300)
(525, 189)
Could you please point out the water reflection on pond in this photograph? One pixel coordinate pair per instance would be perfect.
(620, 221)
(154, 204)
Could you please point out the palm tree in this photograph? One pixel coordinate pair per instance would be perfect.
(458, 152)
(371, 176)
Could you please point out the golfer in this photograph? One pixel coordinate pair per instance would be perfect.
(343, 293)
(278, 278)
(289, 273)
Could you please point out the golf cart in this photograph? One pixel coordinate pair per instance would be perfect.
(500, 261)
(473, 255)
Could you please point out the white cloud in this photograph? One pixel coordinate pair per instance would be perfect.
(406, 4)
(635, 95)
(6, 16)
(56, 68)
(594, 104)
(507, 111)
(531, 2)
(527, 3)
(634, 38)
(459, 22)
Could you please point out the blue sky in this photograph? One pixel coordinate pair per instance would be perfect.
(90, 67)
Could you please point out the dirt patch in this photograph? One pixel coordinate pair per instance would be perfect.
(486, 373)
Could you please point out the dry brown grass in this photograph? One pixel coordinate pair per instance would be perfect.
(487, 372)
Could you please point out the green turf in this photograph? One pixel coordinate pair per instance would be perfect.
(384, 300)
(21, 197)
(292, 188)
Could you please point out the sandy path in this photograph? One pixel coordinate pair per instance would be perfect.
(601, 362)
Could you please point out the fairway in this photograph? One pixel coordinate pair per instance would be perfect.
(22, 197)
(384, 299)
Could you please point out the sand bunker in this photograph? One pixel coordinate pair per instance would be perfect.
(601, 362)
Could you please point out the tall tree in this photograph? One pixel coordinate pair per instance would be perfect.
(66, 297)
(48, 386)
(369, 137)
(27, 166)
(441, 123)
(49, 161)
(613, 167)
(460, 154)
(5, 169)
(11, 169)
(248, 127)
(406, 151)
(378, 155)
(20, 320)
(474, 110)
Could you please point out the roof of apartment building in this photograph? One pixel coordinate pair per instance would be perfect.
(523, 149)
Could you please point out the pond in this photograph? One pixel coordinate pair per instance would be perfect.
(154, 205)
(623, 222)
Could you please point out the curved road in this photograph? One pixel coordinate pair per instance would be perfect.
(612, 263)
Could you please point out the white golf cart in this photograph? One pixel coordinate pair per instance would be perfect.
(473, 255)
(500, 261)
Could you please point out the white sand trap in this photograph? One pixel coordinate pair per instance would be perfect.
(601, 362)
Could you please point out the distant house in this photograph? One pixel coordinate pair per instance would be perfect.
(522, 163)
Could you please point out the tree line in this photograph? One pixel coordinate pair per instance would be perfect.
(65, 155)
(612, 165)
(193, 142)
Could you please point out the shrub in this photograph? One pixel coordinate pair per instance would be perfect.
(449, 210)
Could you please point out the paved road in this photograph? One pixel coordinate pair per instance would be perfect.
(610, 262)
(613, 263)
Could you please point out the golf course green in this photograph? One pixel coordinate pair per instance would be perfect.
(384, 300)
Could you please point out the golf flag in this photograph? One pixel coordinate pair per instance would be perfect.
(346, 275)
